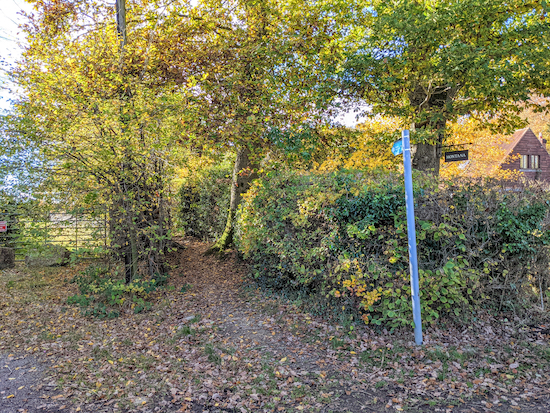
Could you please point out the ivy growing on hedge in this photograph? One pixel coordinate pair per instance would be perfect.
(344, 235)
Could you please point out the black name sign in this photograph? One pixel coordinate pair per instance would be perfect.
(455, 156)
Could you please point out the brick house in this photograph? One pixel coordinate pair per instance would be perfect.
(526, 153)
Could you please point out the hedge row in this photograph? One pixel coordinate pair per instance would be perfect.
(344, 235)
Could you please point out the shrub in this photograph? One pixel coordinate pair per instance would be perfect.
(344, 235)
(204, 202)
(99, 292)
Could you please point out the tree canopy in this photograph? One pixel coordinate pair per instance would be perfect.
(110, 115)
(113, 121)
(429, 62)
(103, 117)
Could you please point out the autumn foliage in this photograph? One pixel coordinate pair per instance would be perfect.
(484, 148)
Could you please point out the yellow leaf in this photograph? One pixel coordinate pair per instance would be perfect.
(10, 396)
(110, 361)
(283, 359)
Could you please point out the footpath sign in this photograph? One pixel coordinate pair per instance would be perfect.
(403, 146)
(397, 148)
(3, 226)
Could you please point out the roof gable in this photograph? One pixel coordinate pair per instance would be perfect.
(523, 136)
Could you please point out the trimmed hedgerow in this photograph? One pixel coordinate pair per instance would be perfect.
(204, 202)
(344, 235)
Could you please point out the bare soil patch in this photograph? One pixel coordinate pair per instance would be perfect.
(25, 386)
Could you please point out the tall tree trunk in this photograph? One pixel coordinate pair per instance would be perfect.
(427, 156)
(244, 172)
(431, 101)
(130, 252)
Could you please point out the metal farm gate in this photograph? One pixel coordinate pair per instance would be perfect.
(84, 233)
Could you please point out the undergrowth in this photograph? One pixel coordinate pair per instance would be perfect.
(102, 295)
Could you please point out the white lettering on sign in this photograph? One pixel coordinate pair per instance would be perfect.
(3, 226)
(456, 156)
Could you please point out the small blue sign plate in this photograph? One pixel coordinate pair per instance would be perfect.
(397, 148)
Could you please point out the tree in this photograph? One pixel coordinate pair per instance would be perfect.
(430, 62)
(212, 73)
(538, 120)
(103, 118)
(255, 72)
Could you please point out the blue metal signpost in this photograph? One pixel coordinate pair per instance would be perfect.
(404, 146)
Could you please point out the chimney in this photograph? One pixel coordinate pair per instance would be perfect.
(543, 141)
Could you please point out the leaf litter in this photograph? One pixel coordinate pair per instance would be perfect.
(214, 343)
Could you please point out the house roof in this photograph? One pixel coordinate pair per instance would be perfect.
(509, 142)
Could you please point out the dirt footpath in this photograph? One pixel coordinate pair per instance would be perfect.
(26, 387)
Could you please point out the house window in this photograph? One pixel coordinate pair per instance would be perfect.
(535, 161)
(524, 162)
